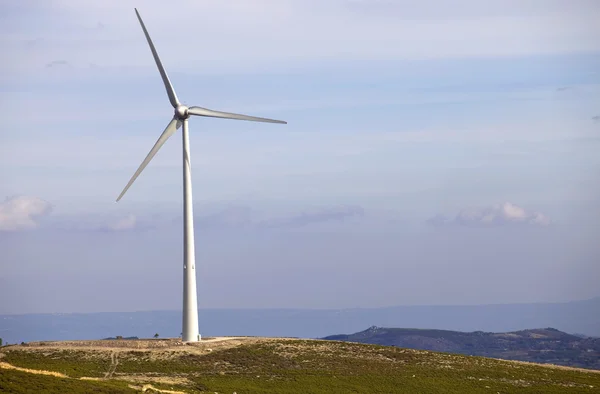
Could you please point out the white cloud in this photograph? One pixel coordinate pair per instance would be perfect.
(103, 220)
(267, 35)
(21, 213)
(229, 217)
(496, 215)
(246, 217)
(123, 224)
(315, 216)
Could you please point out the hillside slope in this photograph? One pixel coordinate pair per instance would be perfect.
(539, 345)
(269, 365)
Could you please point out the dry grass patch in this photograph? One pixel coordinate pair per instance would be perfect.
(34, 371)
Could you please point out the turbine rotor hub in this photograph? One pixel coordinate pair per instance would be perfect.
(181, 112)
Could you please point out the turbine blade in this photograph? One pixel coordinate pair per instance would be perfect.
(170, 91)
(199, 111)
(171, 128)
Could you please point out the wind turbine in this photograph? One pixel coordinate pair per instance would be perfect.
(190, 331)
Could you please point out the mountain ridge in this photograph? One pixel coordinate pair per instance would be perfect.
(539, 345)
(582, 317)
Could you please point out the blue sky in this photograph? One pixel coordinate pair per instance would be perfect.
(433, 154)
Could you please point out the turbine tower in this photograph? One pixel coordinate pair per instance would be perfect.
(180, 118)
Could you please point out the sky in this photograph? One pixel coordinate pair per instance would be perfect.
(435, 153)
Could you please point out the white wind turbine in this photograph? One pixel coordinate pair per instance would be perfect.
(182, 114)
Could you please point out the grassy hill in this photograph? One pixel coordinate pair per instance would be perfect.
(269, 365)
(539, 345)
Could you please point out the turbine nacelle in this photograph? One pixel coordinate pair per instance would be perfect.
(182, 112)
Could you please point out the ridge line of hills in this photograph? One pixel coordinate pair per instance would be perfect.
(545, 345)
(582, 317)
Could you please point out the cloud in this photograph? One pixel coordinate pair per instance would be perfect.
(341, 31)
(228, 218)
(596, 118)
(438, 220)
(30, 43)
(122, 224)
(232, 216)
(495, 215)
(21, 213)
(57, 63)
(319, 216)
(101, 222)
(240, 217)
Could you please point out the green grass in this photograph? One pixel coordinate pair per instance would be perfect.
(298, 366)
(73, 363)
(25, 383)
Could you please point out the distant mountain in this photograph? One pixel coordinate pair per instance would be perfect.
(546, 345)
(577, 317)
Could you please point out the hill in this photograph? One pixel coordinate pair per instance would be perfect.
(540, 345)
(577, 316)
(269, 365)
